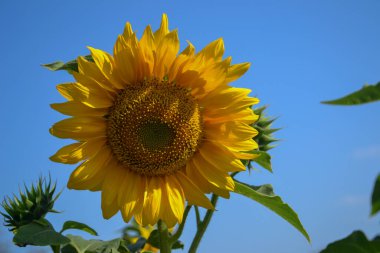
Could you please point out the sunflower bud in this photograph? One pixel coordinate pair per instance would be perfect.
(263, 125)
(31, 205)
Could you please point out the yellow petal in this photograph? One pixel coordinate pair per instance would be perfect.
(230, 131)
(148, 47)
(176, 196)
(128, 31)
(113, 181)
(214, 175)
(162, 31)
(79, 128)
(76, 108)
(109, 209)
(192, 193)
(133, 189)
(166, 211)
(237, 70)
(126, 61)
(166, 53)
(220, 157)
(152, 202)
(78, 151)
(229, 114)
(213, 51)
(90, 97)
(193, 172)
(91, 74)
(137, 210)
(225, 97)
(189, 50)
(91, 172)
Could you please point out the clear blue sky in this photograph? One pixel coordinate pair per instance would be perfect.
(302, 52)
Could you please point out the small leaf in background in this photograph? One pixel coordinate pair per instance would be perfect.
(71, 66)
(265, 196)
(356, 242)
(367, 94)
(376, 197)
(39, 235)
(178, 245)
(79, 226)
(79, 245)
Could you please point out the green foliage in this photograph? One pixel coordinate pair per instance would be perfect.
(264, 139)
(265, 196)
(263, 125)
(79, 226)
(154, 240)
(376, 197)
(79, 245)
(71, 66)
(264, 160)
(367, 94)
(357, 242)
(31, 205)
(40, 234)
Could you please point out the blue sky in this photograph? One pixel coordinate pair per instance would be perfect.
(302, 52)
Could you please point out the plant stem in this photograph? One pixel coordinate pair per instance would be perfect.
(178, 233)
(203, 226)
(165, 246)
(197, 216)
(56, 248)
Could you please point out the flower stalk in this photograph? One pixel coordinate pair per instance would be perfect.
(165, 246)
(203, 225)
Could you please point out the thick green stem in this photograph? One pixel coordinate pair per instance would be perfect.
(203, 226)
(178, 233)
(165, 246)
(197, 216)
(56, 248)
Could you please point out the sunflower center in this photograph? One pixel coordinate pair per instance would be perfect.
(155, 135)
(154, 127)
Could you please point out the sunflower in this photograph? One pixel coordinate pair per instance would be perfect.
(155, 128)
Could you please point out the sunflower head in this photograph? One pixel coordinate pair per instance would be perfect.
(154, 127)
(31, 205)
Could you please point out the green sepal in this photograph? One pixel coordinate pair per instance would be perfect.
(367, 94)
(356, 242)
(265, 196)
(79, 226)
(32, 204)
(376, 197)
(264, 160)
(154, 240)
(70, 66)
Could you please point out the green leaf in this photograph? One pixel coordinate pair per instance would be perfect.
(178, 245)
(264, 195)
(264, 160)
(39, 235)
(367, 94)
(79, 245)
(79, 226)
(154, 239)
(71, 66)
(376, 197)
(356, 242)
